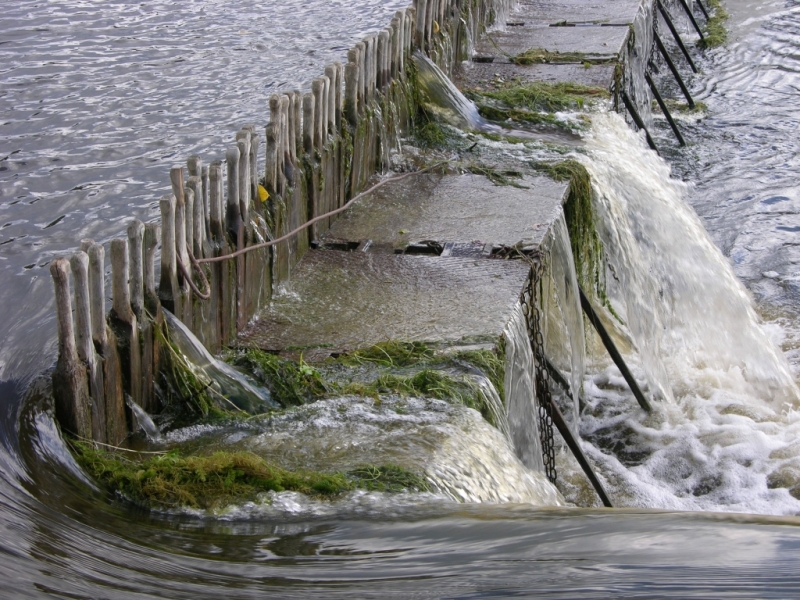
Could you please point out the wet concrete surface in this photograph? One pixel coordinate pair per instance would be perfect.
(589, 12)
(339, 301)
(453, 208)
(595, 32)
(475, 75)
(595, 43)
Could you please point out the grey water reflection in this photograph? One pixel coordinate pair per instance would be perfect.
(744, 158)
(99, 99)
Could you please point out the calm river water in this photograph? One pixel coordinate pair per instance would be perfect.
(98, 99)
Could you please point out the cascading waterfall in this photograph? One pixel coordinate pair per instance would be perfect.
(725, 436)
(565, 344)
(520, 392)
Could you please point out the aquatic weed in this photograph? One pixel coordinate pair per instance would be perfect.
(172, 480)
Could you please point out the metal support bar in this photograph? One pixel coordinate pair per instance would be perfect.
(703, 8)
(638, 120)
(664, 108)
(674, 69)
(678, 39)
(577, 451)
(692, 19)
(556, 375)
(612, 350)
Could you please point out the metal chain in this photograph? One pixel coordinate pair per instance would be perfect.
(542, 377)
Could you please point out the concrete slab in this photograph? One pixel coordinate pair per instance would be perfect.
(551, 12)
(339, 301)
(483, 75)
(592, 43)
(452, 208)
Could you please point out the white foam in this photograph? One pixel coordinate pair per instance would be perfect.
(725, 435)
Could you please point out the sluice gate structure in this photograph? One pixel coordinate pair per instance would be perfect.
(256, 251)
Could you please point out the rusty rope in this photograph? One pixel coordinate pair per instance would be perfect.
(188, 276)
(283, 238)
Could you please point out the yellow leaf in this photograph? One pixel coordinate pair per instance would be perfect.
(435, 27)
(263, 194)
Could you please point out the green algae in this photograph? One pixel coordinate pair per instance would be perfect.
(181, 391)
(172, 480)
(716, 32)
(290, 382)
(539, 56)
(394, 367)
(587, 248)
(540, 95)
(490, 362)
(390, 354)
(533, 102)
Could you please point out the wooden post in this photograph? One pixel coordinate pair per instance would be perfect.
(361, 49)
(97, 296)
(275, 119)
(215, 201)
(79, 263)
(136, 284)
(188, 198)
(233, 215)
(152, 231)
(168, 282)
(409, 32)
(243, 144)
(324, 115)
(206, 201)
(330, 123)
(297, 119)
(108, 364)
(198, 228)
(400, 67)
(124, 318)
(236, 228)
(286, 159)
(121, 300)
(394, 45)
(70, 382)
(430, 11)
(291, 131)
(255, 145)
(382, 56)
(271, 159)
(318, 89)
(351, 93)
(369, 64)
(309, 128)
(421, 14)
(182, 300)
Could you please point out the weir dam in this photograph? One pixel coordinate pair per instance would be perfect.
(455, 272)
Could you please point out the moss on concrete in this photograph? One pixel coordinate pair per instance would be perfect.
(538, 56)
(539, 95)
(587, 249)
(390, 354)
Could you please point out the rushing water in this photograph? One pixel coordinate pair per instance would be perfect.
(98, 99)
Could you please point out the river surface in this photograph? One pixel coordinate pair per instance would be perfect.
(97, 100)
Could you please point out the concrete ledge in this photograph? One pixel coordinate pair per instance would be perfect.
(597, 12)
(341, 301)
(453, 208)
(592, 43)
(474, 75)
